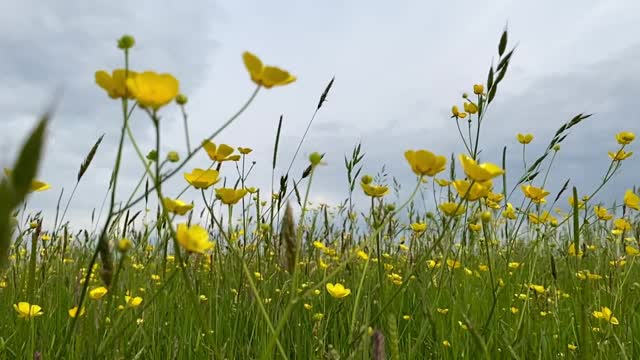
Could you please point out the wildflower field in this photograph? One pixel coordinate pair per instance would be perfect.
(464, 265)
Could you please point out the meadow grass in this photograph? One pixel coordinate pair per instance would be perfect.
(485, 269)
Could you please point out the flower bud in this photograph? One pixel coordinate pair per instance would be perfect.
(152, 155)
(478, 89)
(173, 156)
(181, 99)
(366, 179)
(126, 42)
(315, 158)
(485, 216)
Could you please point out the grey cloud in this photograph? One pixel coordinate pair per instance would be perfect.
(59, 45)
(607, 89)
(395, 81)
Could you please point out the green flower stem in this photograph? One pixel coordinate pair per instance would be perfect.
(158, 187)
(186, 127)
(102, 240)
(354, 313)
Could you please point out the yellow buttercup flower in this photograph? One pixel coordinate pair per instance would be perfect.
(472, 192)
(631, 251)
(470, 107)
(220, 153)
(544, 218)
(193, 238)
(631, 200)
(571, 202)
(244, 151)
(153, 90)
(73, 312)
(602, 213)
(620, 155)
(621, 225)
(418, 227)
(443, 182)
(514, 265)
(363, 255)
(606, 314)
(525, 138)
(539, 289)
(424, 162)
(453, 264)
(177, 206)
(98, 293)
(396, 279)
(479, 172)
(322, 264)
(230, 196)
(27, 311)
(267, 76)
(452, 209)
(509, 212)
(625, 137)
(572, 251)
(536, 194)
(478, 89)
(456, 113)
(374, 191)
(132, 301)
(495, 197)
(337, 290)
(202, 179)
(124, 245)
(115, 83)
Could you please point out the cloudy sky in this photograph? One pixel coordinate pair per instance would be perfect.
(398, 67)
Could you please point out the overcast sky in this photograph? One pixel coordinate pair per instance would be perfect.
(399, 66)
